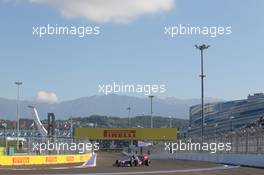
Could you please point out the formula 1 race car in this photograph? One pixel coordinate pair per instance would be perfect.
(133, 161)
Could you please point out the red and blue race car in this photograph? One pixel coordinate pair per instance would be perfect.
(133, 161)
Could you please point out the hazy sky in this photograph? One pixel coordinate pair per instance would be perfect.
(131, 47)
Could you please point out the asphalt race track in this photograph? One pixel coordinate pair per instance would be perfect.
(105, 161)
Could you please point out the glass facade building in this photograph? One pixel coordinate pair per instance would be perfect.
(225, 117)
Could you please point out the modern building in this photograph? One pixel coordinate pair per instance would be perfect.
(226, 117)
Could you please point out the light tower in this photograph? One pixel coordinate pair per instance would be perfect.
(151, 110)
(18, 83)
(202, 48)
(129, 110)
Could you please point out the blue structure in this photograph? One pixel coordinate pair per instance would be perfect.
(91, 162)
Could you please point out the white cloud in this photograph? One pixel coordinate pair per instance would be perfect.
(47, 97)
(118, 11)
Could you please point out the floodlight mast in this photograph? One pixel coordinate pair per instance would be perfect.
(129, 121)
(202, 48)
(151, 110)
(18, 83)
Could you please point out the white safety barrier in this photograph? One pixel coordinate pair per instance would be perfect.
(256, 160)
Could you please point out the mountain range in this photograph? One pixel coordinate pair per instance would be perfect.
(109, 105)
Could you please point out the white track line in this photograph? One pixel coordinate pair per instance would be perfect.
(46, 168)
(165, 171)
(133, 173)
(168, 171)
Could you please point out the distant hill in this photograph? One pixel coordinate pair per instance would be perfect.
(110, 105)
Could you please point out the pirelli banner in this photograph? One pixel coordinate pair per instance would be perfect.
(43, 160)
(126, 133)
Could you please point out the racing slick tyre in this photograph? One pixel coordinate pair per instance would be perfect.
(117, 163)
(147, 163)
(132, 163)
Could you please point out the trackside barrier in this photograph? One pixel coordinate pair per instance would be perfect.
(255, 160)
(42, 160)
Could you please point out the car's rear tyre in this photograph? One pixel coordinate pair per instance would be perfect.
(132, 163)
(147, 162)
